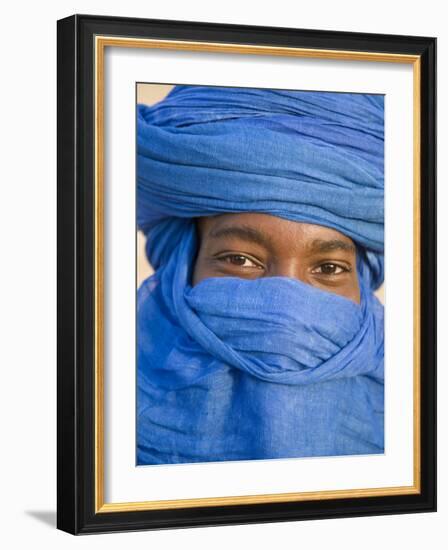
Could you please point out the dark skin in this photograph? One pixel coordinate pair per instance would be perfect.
(252, 245)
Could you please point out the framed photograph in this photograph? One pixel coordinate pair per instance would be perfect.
(246, 274)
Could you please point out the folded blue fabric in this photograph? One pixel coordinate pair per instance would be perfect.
(233, 369)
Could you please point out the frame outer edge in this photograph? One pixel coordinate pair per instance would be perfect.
(67, 369)
(433, 71)
(429, 269)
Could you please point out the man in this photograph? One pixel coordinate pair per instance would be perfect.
(259, 335)
(251, 245)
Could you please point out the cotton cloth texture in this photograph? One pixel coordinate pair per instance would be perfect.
(235, 369)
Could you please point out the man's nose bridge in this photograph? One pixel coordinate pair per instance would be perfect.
(291, 267)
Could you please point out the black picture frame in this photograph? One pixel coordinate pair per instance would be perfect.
(76, 475)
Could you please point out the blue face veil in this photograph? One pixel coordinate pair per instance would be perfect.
(235, 369)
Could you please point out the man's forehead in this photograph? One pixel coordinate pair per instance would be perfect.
(269, 228)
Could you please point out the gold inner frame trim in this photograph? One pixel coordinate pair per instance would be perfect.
(101, 42)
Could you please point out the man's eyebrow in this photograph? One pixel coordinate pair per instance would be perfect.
(244, 232)
(330, 245)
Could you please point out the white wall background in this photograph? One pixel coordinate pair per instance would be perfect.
(28, 274)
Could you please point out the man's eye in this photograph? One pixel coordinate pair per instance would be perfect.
(329, 269)
(240, 261)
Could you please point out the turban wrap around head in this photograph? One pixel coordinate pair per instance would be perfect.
(235, 369)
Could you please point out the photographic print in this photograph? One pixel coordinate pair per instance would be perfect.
(259, 335)
(246, 288)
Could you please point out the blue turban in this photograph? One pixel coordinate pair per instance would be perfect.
(235, 369)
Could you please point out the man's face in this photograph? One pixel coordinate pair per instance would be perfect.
(250, 246)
